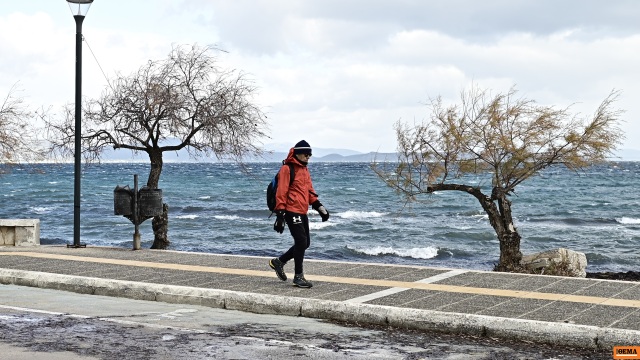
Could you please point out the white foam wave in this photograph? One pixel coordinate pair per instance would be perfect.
(204, 197)
(191, 217)
(41, 209)
(628, 221)
(416, 253)
(359, 215)
(480, 217)
(314, 225)
(226, 217)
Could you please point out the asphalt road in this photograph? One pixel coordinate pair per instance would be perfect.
(49, 324)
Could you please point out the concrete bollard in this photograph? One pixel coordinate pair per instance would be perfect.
(19, 232)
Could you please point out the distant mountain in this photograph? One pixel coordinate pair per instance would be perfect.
(126, 156)
(284, 148)
(368, 157)
(319, 155)
(332, 157)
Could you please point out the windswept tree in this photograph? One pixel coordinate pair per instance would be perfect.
(507, 138)
(186, 101)
(18, 140)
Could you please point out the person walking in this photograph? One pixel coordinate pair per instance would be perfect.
(292, 205)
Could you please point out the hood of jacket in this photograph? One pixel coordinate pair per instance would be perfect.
(291, 158)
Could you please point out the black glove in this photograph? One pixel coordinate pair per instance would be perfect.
(278, 225)
(324, 213)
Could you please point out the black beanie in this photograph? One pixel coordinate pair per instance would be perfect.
(302, 147)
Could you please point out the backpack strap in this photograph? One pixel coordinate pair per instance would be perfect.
(292, 173)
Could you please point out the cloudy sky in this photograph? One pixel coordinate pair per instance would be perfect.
(340, 73)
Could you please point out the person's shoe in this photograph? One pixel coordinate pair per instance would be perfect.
(301, 282)
(277, 265)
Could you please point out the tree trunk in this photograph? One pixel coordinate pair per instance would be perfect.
(510, 255)
(155, 156)
(502, 221)
(160, 224)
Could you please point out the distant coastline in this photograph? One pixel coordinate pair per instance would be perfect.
(270, 156)
(334, 157)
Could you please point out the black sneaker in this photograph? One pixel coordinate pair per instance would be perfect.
(301, 282)
(277, 265)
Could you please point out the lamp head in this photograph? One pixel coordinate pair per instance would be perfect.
(79, 7)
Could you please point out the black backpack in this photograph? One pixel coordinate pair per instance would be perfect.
(272, 188)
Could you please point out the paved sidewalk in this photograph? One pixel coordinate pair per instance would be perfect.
(587, 313)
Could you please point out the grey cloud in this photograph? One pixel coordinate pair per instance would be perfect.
(468, 18)
(260, 26)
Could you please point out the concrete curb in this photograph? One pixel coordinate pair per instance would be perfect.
(538, 331)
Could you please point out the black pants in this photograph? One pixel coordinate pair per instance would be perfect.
(298, 225)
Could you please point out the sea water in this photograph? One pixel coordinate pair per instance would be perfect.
(221, 208)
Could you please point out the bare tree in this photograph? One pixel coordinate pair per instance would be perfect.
(509, 139)
(18, 135)
(185, 101)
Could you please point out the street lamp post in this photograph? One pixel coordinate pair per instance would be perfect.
(79, 9)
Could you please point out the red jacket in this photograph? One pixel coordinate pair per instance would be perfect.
(297, 197)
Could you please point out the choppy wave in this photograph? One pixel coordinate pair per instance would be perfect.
(41, 209)
(192, 209)
(226, 217)
(359, 215)
(215, 208)
(628, 221)
(415, 253)
(314, 225)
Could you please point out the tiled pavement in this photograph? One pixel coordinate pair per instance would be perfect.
(579, 312)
